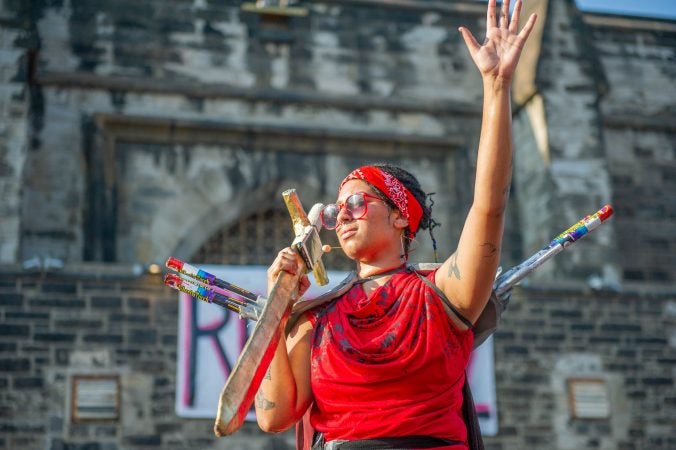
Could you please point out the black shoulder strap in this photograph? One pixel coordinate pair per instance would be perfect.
(443, 298)
(474, 439)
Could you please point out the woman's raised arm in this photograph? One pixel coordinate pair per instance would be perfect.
(466, 277)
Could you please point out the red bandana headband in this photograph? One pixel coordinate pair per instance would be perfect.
(393, 189)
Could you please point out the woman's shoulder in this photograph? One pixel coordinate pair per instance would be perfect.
(426, 275)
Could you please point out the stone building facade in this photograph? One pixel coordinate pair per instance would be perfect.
(132, 131)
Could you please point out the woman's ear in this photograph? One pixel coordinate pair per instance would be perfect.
(399, 220)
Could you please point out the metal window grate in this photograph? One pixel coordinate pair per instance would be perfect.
(254, 240)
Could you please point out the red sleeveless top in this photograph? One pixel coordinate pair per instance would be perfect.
(388, 365)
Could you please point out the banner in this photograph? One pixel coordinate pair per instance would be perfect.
(210, 339)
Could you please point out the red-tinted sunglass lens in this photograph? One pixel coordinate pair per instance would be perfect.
(329, 216)
(356, 205)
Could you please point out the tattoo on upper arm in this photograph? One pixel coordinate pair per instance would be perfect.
(489, 249)
(262, 402)
(453, 269)
(268, 374)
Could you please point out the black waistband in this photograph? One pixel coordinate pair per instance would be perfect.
(395, 443)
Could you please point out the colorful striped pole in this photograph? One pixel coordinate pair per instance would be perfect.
(507, 280)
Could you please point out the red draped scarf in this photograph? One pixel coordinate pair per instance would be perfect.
(389, 364)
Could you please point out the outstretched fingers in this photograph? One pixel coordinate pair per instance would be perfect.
(472, 45)
(504, 14)
(514, 23)
(523, 35)
(491, 20)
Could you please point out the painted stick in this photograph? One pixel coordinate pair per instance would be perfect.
(507, 280)
(208, 279)
(211, 289)
(583, 227)
(245, 309)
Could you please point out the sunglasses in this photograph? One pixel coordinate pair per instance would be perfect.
(355, 206)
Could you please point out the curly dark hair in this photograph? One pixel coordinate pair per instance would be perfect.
(413, 185)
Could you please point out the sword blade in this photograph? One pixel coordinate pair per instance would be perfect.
(240, 389)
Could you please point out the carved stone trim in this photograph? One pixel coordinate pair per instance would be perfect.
(85, 80)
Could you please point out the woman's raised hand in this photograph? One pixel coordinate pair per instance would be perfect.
(497, 57)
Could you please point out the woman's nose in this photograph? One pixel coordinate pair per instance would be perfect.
(343, 215)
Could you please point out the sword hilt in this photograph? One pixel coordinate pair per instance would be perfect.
(306, 228)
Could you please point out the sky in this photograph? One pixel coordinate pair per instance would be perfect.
(664, 9)
(649, 8)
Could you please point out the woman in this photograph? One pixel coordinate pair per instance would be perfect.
(383, 366)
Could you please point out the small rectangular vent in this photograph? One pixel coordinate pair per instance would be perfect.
(588, 398)
(95, 398)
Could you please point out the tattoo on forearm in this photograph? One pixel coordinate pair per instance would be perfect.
(453, 269)
(489, 249)
(262, 402)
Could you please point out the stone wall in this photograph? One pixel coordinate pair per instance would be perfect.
(552, 334)
(639, 129)
(14, 104)
(562, 175)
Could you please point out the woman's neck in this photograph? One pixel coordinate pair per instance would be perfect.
(365, 270)
(381, 258)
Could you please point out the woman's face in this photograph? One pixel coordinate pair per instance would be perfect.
(378, 231)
